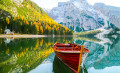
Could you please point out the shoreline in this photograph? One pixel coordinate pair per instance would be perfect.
(31, 36)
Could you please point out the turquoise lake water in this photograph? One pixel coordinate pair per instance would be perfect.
(35, 55)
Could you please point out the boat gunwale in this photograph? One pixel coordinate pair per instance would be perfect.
(69, 51)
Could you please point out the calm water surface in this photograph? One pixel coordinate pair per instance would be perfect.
(36, 55)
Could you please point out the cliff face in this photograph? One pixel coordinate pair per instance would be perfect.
(113, 13)
(78, 15)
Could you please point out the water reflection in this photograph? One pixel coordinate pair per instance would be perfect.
(8, 40)
(23, 55)
(32, 55)
(52, 64)
(104, 57)
(60, 67)
(46, 66)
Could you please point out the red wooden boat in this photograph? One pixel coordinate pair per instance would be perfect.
(71, 55)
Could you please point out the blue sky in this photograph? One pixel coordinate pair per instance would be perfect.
(49, 4)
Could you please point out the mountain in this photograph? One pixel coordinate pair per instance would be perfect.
(79, 15)
(26, 17)
(113, 13)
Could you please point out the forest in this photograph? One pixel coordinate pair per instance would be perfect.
(28, 18)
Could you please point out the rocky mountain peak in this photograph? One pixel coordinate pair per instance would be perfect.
(77, 0)
(78, 15)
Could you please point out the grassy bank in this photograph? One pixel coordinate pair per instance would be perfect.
(87, 33)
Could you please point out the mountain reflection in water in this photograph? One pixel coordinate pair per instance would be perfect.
(36, 55)
(104, 56)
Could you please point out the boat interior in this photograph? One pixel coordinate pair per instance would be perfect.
(68, 47)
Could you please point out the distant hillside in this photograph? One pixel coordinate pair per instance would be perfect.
(112, 12)
(24, 16)
(78, 15)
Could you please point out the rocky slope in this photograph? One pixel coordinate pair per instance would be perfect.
(113, 13)
(79, 16)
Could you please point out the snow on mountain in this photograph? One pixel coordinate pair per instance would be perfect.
(77, 15)
(113, 13)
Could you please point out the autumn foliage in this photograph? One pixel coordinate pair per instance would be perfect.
(29, 19)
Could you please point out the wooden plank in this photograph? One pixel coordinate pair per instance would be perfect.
(80, 57)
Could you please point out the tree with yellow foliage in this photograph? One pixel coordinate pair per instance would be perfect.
(31, 19)
(22, 18)
(31, 23)
(41, 29)
(27, 22)
(7, 20)
(0, 30)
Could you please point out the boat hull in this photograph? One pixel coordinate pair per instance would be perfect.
(69, 59)
(71, 55)
(60, 67)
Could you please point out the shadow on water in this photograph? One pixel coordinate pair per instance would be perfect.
(60, 67)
